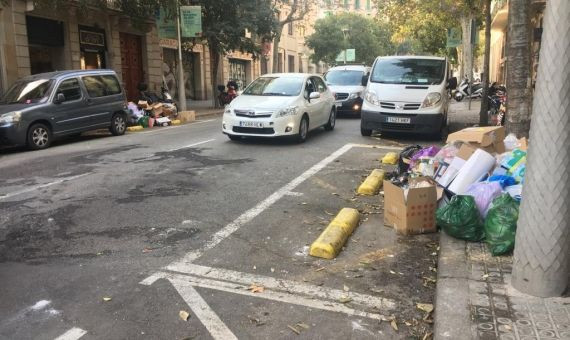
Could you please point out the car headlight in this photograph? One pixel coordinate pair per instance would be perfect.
(372, 98)
(354, 95)
(228, 111)
(10, 117)
(289, 111)
(431, 99)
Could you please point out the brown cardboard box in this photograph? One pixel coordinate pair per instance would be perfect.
(488, 138)
(186, 116)
(157, 109)
(465, 151)
(414, 214)
(143, 104)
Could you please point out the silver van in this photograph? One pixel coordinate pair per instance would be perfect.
(39, 108)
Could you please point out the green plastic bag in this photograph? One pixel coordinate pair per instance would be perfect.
(501, 224)
(143, 121)
(461, 219)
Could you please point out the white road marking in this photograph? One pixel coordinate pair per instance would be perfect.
(294, 193)
(218, 330)
(41, 186)
(72, 334)
(40, 305)
(282, 285)
(203, 121)
(261, 206)
(192, 145)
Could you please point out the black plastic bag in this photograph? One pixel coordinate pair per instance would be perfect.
(406, 156)
(501, 224)
(460, 219)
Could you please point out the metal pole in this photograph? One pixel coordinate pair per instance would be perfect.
(181, 86)
(541, 264)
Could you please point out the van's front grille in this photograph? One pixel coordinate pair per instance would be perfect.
(341, 96)
(386, 105)
(414, 106)
(399, 106)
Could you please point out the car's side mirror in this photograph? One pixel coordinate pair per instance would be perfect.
(314, 95)
(59, 98)
(452, 83)
(364, 80)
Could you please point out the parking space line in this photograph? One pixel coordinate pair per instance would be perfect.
(218, 330)
(261, 206)
(72, 334)
(192, 145)
(37, 187)
(282, 285)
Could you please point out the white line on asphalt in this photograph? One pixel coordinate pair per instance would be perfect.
(294, 193)
(218, 330)
(282, 285)
(41, 186)
(179, 281)
(250, 214)
(72, 334)
(203, 121)
(192, 145)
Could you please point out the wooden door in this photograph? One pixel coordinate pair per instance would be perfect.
(131, 61)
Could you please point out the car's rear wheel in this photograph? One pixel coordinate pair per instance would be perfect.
(39, 136)
(118, 124)
(303, 130)
(332, 120)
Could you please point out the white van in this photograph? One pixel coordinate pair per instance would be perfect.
(407, 94)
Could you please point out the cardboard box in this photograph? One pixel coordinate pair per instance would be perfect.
(465, 151)
(157, 109)
(143, 104)
(488, 138)
(413, 213)
(186, 116)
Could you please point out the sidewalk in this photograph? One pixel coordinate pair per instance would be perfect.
(203, 108)
(474, 298)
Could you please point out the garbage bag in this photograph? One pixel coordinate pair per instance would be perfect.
(501, 225)
(390, 158)
(406, 156)
(484, 193)
(504, 180)
(460, 219)
(425, 152)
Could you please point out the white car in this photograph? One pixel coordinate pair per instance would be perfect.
(276, 105)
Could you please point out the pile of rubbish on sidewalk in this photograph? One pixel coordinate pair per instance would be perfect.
(471, 188)
(149, 115)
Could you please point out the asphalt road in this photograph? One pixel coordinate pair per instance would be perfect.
(111, 237)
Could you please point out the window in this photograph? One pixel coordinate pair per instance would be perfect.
(320, 84)
(409, 71)
(290, 28)
(70, 89)
(275, 86)
(344, 77)
(100, 86)
(357, 4)
(368, 5)
(309, 88)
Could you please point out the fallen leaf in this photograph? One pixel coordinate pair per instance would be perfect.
(485, 276)
(345, 299)
(147, 250)
(304, 203)
(184, 315)
(295, 330)
(256, 289)
(408, 323)
(107, 299)
(426, 307)
(394, 325)
(358, 275)
(334, 193)
(427, 336)
(319, 269)
(272, 270)
(302, 325)
(392, 272)
(345, 288)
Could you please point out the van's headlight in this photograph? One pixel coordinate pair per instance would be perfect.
(289, 111)
(10, 117)
(431, 99)
(354, 95)
(372, 98)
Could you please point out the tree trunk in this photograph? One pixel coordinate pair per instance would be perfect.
(467, 48)
(483, 114)
(276, 41)
(214, 67)
(518, 69)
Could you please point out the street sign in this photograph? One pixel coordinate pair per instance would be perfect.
(165, 25)
(453, 37)
(191, 21)
(350, 55)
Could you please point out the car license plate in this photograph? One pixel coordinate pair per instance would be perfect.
(398, 120)
(251, 124)
(338, 104)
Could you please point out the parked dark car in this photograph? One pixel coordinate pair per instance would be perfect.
(39, 108)
(346, 83)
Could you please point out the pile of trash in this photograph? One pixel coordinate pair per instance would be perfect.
(149, 115)
(471, 188)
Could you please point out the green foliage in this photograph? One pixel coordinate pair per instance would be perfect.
(368, 37)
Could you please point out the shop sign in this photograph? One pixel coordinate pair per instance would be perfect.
(91, 38)
(165, 25)
(191, 21)
(168, 43)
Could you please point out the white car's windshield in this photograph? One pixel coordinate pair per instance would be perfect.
(275, 86)
(408, 71)
(344, 77)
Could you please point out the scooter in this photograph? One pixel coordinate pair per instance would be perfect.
(226, 97)
(463, 90)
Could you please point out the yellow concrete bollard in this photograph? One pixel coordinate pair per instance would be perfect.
(372, 184)
(331, 240)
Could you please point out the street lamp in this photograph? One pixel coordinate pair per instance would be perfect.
(345, 33)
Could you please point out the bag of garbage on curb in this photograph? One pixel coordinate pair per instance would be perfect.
(484, 193)
(501, 225)
(425, 152)
(460, 219)
(406, 156)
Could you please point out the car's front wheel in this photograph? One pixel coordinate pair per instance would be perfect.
(329, 126)
(39, 136)
(303, 130)
(365, 132)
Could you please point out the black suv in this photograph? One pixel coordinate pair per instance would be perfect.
(39, 108)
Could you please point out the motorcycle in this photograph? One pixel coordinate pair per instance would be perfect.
(497, 104)
(463, 90)
(226, 97)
